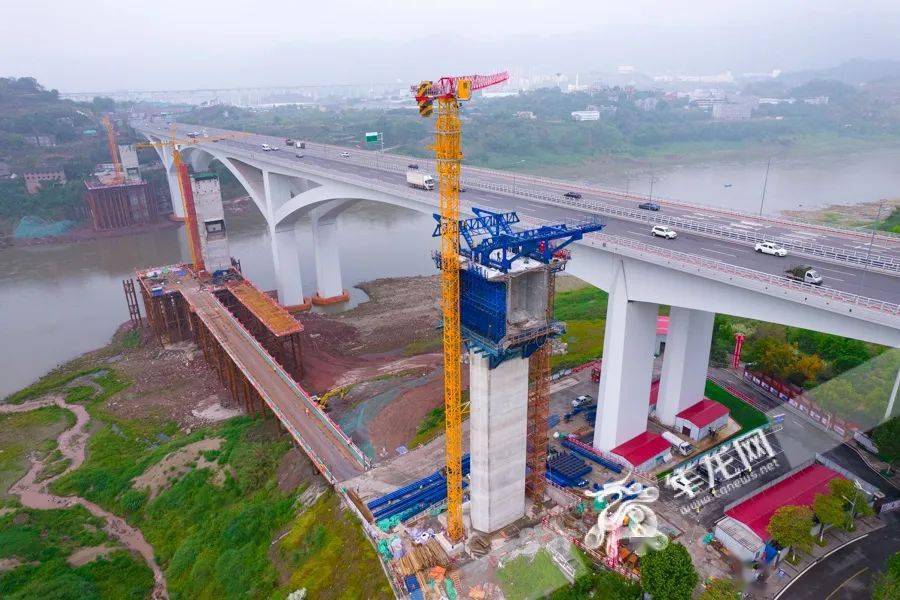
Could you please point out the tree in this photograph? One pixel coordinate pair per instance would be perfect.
(887, 438)
(830, 511)
(790, 527)
(721, 589)
(602, 584)
(887, 584)
(809, 366)
(669, 573)
(854, 501)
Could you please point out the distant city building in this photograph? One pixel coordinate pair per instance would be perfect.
(817, 100)
(733, 111)
(35, 180)
(647, 104)
(586, 115)
(45, 141)
(777, 100)
(624, 69)
(525, 114)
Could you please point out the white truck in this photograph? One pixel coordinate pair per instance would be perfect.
(805, 274)
(683, 447)
(423, 181)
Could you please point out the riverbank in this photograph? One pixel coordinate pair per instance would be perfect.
(84, 233)
(864, 214)
(154, 453)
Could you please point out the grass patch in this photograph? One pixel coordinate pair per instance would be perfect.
(23, 432)
(424, 346)
(582, 304)
(745, 415)
(523, 577)
(48, 383)
(433, 424)
(584, 342)
(43, 539)
(329, 555)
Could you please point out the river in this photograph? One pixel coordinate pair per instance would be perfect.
(58, 301)
(795, 182)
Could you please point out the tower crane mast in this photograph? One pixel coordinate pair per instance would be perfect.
(113, 141)
(449, 92)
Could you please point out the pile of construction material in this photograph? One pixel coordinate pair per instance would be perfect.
(410, 500)
(567, 470)
(421, 557)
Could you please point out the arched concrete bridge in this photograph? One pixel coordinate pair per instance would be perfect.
(710, 268)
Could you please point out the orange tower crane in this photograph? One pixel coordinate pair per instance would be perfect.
(449, 92)
(113, 141)
(184, 185)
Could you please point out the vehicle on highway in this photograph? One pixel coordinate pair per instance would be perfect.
(582, 400)
(573, 195)
(804, 273)
(299, 155)
(648, 206)
(423, 181)
(345, 155)
(663, 231)
(462, 188)
(770, 248)
(266, 148)
(193, 134)
(301, 145)
(412, 166)
(288, 142)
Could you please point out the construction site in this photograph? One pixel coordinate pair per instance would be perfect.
(517, 495)
(117, 197)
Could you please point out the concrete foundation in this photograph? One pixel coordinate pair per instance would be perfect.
(685, 362)
(497, 429)
(627, 370)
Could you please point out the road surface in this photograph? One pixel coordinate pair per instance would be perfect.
(848, 573)
(383, 169)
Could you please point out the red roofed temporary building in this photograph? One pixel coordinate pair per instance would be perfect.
(644, 452)
(699, 420)
(745, 528)
(662, 330)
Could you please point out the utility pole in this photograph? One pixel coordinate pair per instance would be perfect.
(652, 181)
(871, 242)
(765, 185)
(890, 407)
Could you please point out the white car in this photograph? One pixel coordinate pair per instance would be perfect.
(345, 155)
(770, 248)
(663, 231)
(266, 148)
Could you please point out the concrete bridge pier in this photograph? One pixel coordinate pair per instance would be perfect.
(685, 362)
(627, 370)
(286, 260)
(497, 430)
(329, 285)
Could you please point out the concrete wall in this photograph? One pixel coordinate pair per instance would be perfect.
(698, 433)
(497, 424)
(211, 223)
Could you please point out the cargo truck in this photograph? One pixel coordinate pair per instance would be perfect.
(804, 273)
(682, 446)
(423, 181)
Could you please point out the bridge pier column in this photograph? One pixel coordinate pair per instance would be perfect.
(497, 427)
(685, 362)
(628, 345)
(286, 260)
(328, 262)
(175, 194)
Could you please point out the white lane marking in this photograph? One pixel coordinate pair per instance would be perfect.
(832, 278)
(719, 252)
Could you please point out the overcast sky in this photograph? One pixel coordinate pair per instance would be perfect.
(101, 45)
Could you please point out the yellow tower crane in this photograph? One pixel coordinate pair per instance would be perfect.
(174, 143)
(449, 92)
